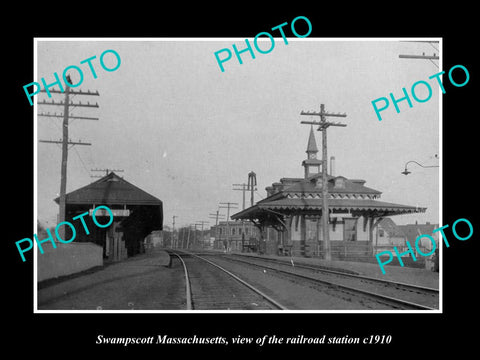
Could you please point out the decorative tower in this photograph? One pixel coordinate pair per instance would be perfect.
(311, 164)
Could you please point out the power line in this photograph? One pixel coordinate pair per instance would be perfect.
(83, 164)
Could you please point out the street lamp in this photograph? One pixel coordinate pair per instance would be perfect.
(406, 172)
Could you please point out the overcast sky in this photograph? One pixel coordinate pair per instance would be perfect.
(184, 131)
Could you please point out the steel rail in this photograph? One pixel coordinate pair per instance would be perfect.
(345, 274)
(188, 289)
(386, 299)
(243, 282)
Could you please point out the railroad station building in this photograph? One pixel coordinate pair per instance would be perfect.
(136, 214)
(237, 235)
(293, 209)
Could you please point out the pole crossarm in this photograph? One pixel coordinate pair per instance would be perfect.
(62, 103)
(107, 171)
(70, 117)
(69, 142)
(323, 114)
(425, 57)
(322, 124)
(79, 92)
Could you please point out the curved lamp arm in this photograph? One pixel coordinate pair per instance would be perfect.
(406, 172)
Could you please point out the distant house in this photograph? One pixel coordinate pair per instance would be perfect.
(391, 235)
(388, 236)
(412, 231)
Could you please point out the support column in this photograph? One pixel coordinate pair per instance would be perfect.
(261, 242)
(327, 251)
(287, 236)
(373, 224)
(303, 235)
(317, 235)
(370, 220)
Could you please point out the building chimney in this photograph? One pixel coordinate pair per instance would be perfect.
(332, 165)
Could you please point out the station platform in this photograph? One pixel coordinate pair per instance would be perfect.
(89, 289)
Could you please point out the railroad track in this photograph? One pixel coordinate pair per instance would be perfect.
(395, 294)
(209, 286)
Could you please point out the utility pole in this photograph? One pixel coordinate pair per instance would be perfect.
(229, 205)
(243, 189)
(188, 236)
(322, 126)
(252, 182)
(173, 245)
(216, 216)
(181, 234)
(194, 235)
(183, 237)
(65, 142)
(202, 237)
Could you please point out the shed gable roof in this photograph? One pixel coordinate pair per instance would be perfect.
(110, 190)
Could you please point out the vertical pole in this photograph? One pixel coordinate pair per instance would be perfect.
(317, 235)
(288, 240)
(325, 214)
(63, 180)
(195, 236)
(303, 235)
(252, 182)
(228, 227)
(173, 245)
(323, 125)
(217, 235)
(244, 189)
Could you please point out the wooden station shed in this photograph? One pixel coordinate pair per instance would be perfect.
(136, 214)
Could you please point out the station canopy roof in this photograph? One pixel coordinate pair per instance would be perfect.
(304, 196)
